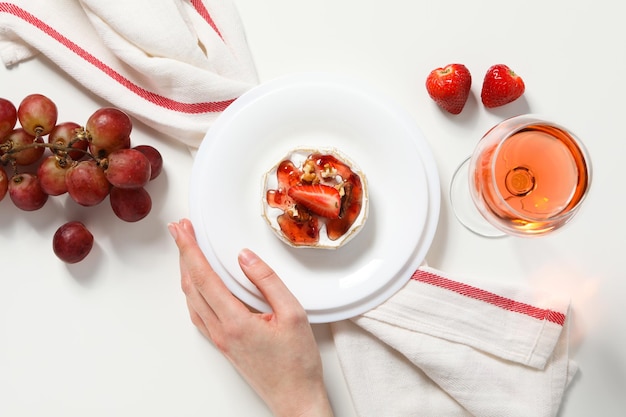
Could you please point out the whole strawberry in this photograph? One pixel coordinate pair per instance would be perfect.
(449, 87)
(501, 86)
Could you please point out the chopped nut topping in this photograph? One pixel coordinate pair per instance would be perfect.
(292, 211)
(340, 188)
(308, 170)
(308, 177)
(329, 171)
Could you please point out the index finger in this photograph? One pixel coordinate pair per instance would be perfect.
(202, 275)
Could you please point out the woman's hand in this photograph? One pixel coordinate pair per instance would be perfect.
(275, 352)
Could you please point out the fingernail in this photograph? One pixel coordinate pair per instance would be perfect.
(185, 224)
(173, 230)
(247, 257)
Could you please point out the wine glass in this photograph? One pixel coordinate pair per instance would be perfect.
(526, 177)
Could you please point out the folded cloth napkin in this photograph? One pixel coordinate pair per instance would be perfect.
(444, 347)
(173, 64)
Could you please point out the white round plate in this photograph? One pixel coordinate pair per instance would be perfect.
(316, 110)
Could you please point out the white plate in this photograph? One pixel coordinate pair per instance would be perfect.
(317, 111)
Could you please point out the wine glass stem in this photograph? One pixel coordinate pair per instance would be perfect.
(463, 205)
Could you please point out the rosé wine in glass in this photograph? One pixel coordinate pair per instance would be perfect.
(528, 176)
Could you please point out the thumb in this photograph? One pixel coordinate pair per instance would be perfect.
(278, 296)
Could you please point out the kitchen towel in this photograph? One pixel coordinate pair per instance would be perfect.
(173, 64)
(452, 347)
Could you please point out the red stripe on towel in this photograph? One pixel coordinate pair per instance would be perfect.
(488, 297)
(159, 100)
(204, 13)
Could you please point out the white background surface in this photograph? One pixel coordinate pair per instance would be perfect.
(110, 336)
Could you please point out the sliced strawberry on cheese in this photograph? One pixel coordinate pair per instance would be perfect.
(319, 199)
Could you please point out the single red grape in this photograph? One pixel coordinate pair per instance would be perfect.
(127, 168)
(109, 129)
(26, 193)
(8, 117)
(155, 158)
(20, 138)
(69, 132)
(51, 173)
(130, 204)
(37, 114)
(86, 183)
(4, 183)
(72, 242)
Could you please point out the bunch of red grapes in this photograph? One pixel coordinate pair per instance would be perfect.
(88, 163)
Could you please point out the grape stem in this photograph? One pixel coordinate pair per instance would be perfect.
(7, 149)
(59, 149)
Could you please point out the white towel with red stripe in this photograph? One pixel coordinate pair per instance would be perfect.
(173, 64)
(458, 348)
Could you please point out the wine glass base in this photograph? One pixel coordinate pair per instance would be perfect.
(463, 205)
